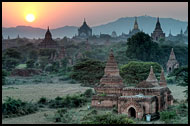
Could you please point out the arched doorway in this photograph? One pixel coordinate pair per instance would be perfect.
(132, 112)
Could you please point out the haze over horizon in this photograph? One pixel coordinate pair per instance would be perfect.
(59, 14)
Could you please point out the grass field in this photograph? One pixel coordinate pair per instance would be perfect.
(33, 92)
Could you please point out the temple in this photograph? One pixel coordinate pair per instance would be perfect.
(48, 42)
(84, 31)
(172, 62)
(148, 97)
(158, 33)
(135, 28)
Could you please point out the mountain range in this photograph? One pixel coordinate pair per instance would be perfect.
(121, 25)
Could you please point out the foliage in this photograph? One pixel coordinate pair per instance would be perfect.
(88, 93)
(107, 118)
(175, 113)
(12, 107)
(63, 115)
(43, 61)
(88, 71)
(141, 47)
(43, 100)
(33, 55)
(30, 63)
(167, 115)
(53, 67)
(4, 74)
(171, 80)
(46, 52)
(68, 101)
(12, 53)
(135, 72)
(10, 63)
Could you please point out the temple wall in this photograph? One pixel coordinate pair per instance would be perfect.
(106, 103)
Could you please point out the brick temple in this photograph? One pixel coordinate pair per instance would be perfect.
(172, 62)
(148, 97)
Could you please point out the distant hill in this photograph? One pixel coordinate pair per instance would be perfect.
(146, 23)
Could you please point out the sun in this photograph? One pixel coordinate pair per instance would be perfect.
(30, 17)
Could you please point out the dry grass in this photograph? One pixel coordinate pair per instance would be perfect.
(177, 92)
(34, 92)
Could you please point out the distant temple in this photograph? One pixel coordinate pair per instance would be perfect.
(158, 33)
(172, 62)
(48, 42)
(114, 34)
(135, 28)
(84, 31)
(148, 97)
(132, 32)
(181, 37)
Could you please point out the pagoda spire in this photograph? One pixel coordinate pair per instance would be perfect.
(152, 78)
(181, 32)
(136, 24)
(162, 81)
(172, 55)
(111, 73)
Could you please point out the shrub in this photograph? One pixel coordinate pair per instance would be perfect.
(167, 115)
(62, 115)
(88, 93)
(170, 80)
(68, 101)
(107, 118)
(43, 100)
(30, 63)
(12, 107)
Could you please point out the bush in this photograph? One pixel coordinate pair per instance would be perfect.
(135, 72)
(43, 100)
(12, 107)
(68, 101)
(88, 93)
(107, 118)
(62, 115)
(171, 80)
(167, 115)
(30, 63)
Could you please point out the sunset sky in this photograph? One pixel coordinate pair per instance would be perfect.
(59, 14)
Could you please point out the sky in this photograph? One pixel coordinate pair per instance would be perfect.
(60, 14)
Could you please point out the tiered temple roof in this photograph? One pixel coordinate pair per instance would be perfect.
(152, 78)
(111, 76)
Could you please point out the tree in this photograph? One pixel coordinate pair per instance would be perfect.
(11, 58)
(11, 63)
(88, 71)
(33, 55)
(30, 63)
(135, 72)
(140, 46)
(12, 53)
